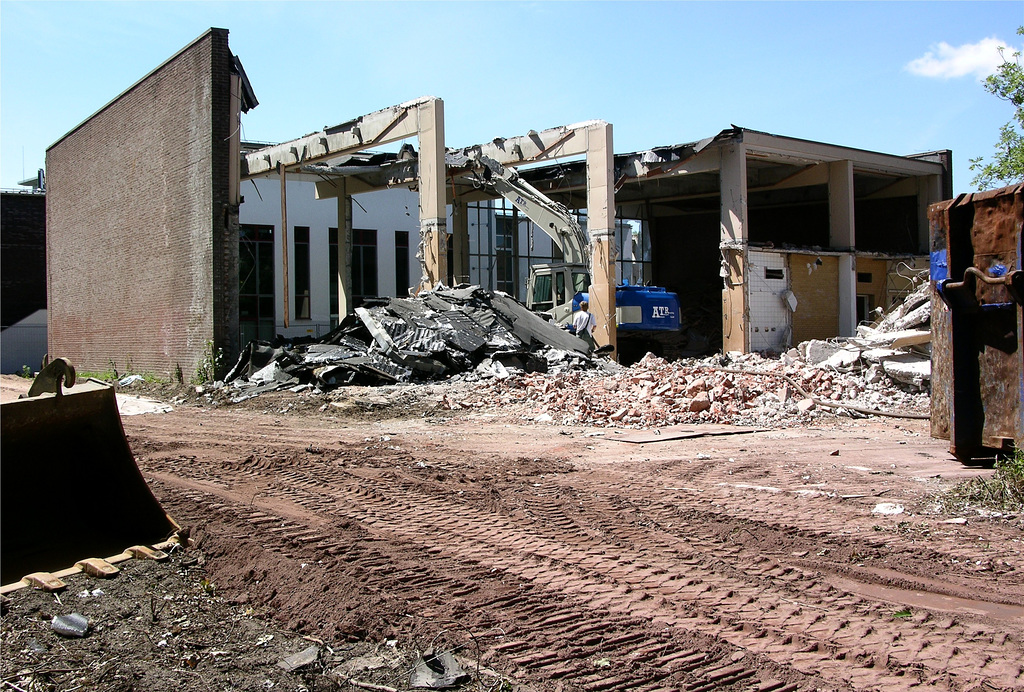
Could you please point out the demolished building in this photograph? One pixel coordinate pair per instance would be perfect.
(792, 229)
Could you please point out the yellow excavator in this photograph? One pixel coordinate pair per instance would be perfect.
(69, 486)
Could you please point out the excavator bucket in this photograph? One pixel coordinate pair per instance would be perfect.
(69, 486)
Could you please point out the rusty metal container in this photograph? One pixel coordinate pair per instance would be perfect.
(977, 352)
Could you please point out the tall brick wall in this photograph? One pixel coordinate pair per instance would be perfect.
(140, 257)
(22, 255)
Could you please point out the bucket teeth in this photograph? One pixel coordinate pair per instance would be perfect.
(141, 552)
(43, 580)
(97, 567)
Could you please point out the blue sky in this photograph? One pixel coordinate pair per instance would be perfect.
(896, 77)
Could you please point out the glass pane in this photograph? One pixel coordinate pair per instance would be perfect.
(580, 281)
(265, 257)
(246, 332)
(542, 289)
(246, 269)
(266, 304)
(247, 307)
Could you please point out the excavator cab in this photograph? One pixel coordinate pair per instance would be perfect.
(553, 289)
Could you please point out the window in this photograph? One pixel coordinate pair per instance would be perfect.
(302, 272)
(864, 277)
(504, 261)
(255, 283)
(560, 288)
(401, 263)
(774, 273)
(542, 292)
(364, 265)
(580, 282)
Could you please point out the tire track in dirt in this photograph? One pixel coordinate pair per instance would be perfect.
(699, 585)
(835, 528)
(655, 556)
(553, 639)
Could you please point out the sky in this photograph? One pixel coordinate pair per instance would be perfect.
(894, 77)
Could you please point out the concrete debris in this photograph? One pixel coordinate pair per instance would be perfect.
(739, 389)
(897, 346)
(306, 657)
(465, 331)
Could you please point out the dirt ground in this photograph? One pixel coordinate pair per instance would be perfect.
(377, 525)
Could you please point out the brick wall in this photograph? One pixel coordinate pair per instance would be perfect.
(22, 255)
(816, 287)
(141, 261)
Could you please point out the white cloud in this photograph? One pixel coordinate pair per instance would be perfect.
(944, 61)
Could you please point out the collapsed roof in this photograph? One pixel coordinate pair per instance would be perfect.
(431, 336)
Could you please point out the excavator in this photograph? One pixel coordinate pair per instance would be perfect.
(71, 496)
(647, 317)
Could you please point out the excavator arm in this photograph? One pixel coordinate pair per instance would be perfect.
(556, 220)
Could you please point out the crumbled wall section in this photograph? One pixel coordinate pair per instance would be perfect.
(22, 256)
(139, 253)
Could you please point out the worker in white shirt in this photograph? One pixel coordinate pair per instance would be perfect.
(583, 323)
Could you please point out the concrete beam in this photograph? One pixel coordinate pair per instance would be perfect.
(733, 237)
(601, 228)
(840, 205)
(555, 143)
(344, 277)
(842, 237)
(372, 130)
(733, 191)
(774, 147)
(431, 176)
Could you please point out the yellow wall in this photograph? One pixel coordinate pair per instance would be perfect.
(816, 288)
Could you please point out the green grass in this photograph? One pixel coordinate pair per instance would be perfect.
(1002, 492)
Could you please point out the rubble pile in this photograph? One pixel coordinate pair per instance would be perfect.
(897, 347)
(884, 370)
(742, 389)
(431, 336)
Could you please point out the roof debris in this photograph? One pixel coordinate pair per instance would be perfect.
(435, 335)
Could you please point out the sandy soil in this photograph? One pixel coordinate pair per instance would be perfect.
(572, 558)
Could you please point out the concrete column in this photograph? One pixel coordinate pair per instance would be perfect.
(733, 188)
(848, 294)
(840, 205)
(601, 227)
(285, 290)
(344, 277)
(433, 219)
(460, 242)
(929, 191)
(733, 237)
(841, 236)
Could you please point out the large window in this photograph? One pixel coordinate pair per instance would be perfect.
(302, 272)
(255, 283)
(402, 263)
(364, 264)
